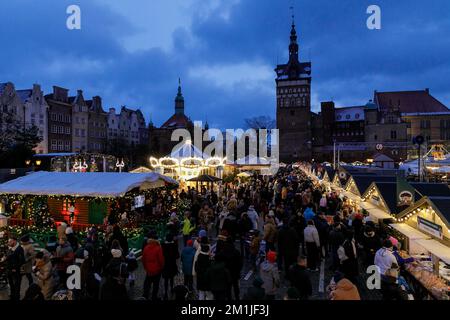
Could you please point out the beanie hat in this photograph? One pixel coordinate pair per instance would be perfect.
(202, 233)
(116, 253)
(189, 243)
(25, 238)
(271, 256)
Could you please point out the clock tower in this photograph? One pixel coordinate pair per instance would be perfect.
(293, 84)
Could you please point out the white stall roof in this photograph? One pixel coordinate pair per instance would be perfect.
(438, 249)
(88, 184)
(410, 232)
(375, 211)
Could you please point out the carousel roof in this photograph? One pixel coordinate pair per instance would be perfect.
(187, 150)
(87, 184)
(205, 178)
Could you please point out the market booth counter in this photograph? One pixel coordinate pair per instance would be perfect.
(423, 228)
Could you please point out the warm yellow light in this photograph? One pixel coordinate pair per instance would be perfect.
(38, 162)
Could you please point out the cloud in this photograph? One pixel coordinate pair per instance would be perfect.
(132, 52)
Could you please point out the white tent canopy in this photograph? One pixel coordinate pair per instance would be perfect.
(88, 184)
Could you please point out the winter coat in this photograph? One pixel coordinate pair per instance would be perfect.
(345, 290)
(171, 254)
(113, 290)
(202, 263)
(188, 227)
(233, 261)
(65, 256)
(384, 258)
(187, 260)
(218, 277)
(28, 250)
(311, 235)
(336, 238)
(254, 245)
(153, 258)
(254, 217)
(288, 242)
(15, 258)
(255, 293)
(391, 290)
(45, 277)
(299, 278)
(270, 232)
(269, 274)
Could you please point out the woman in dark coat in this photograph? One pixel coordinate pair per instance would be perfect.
(170, 270)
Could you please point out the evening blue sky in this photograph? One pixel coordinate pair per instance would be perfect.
(132, 52)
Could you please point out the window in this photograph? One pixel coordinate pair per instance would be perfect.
(375, 137)
(425, 124)
(68, 130)
(54, 117)
(83, 132)
(83, 121)
(60, 145)
(393, 134)
(67, 145)
(357, 116)
(60, 117)
(347, 117)
(54, 129)
(77, 132)
(54, 144)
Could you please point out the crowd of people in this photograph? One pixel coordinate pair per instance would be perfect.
(281, 228)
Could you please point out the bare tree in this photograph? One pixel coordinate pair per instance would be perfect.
(260, 122)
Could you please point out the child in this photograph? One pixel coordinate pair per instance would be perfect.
(132, 266)
(254, 249)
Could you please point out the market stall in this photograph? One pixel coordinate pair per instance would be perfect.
(425, 225)
(80, 198)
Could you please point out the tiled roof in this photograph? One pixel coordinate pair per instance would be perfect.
(409, 101)
(177, 121)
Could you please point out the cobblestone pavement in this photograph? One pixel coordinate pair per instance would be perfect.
(319, 279)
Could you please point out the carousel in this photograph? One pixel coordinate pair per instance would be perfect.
(187, 162)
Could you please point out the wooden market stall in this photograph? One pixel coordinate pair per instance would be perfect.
(80, 198)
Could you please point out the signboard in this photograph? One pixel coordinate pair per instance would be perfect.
(375, 200)
(139, 201)
(429, 227)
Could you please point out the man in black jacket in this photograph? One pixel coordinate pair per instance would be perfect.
(299, 278)
(15, 258)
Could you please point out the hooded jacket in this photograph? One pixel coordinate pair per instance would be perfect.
(201, 265)
(345, 290)
(153, 258)
(187, 260)
(384, 258)
(270, 276)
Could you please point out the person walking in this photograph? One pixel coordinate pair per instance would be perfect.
(64, 258)
(270, 233)
(234, 263)
(312, 243)
(219, 278)
(153, 262)
(187, 264)
(341, 288)
(300, 279)
(188, 227)
(44, 273)
(270, 275)
(15, 258)
(288, 244)
(384, 258)
(348, 257)
(170, 269)
(29, 253)
(202, 263)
